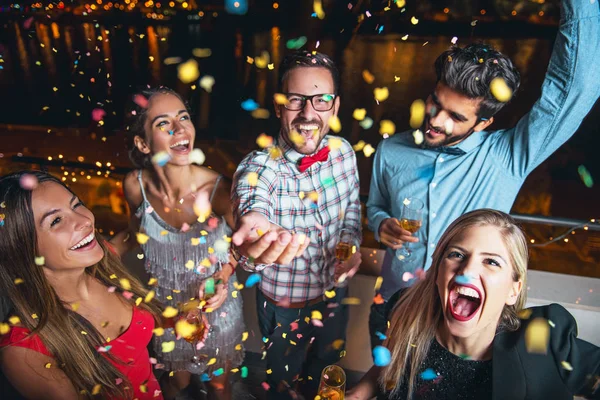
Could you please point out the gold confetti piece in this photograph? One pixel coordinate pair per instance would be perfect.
(4, 328)
(418, 136)
(168, 347)
(18, 281)
(566, 365)
(244, 336)
(205, 263)
(260, 113)
(368, 76)
(335, 124)
(96, 389)
(381, 94)
(235, 370)
(334, 143)
(152, 281)
(40, 260)
(537, 336)
(195, 241)
(238, 285)
(318, 9)
(188, 71)
(211, 362)
(143, 389)
(551, 324)
(238, 347)
(142, 238)
(337, 344)
(275, 152)
(190, 264)
(414, 20)
(359, 146)
(48, 365)
(113, 276)
(330, 294)
(316, 315)
(184, 329)
(359, 114)
(163, 233)
(387, 127)
(368, 150)
(263, 141)
(306, 319)
(263, 60)
(500, 90)
(252, 178)
(396, 78)
(75, 306)
(158, 331)
(170, 312)
(125, 284)
(271, 66)
(269, 371)
(34, 316)
(314, 197)
(417, 113)
(201, 53)
(400, 3)
(249, 60)
(284, 335)
(280, 99)
(296, 138)
(525, 313)
(138, 301)
(171, 373)
(292, 342)
(234, 294)
(207, 82)
(378, 283)
(353, 301)
(14, 320)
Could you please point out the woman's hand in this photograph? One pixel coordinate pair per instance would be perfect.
(221, 284)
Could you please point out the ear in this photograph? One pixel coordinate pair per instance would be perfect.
(277, 109)
(514, 293)
(483, 124)
(336, 105)
(141, 144)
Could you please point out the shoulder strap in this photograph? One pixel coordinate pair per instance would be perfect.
(142, 185)
(215, 187)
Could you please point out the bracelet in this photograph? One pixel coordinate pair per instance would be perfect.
(247, 263)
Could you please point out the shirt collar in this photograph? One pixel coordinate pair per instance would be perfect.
(292, 155)
(470, 143)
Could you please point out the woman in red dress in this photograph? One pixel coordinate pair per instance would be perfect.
(80, 323)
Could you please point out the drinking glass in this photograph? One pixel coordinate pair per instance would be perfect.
(333, 383)
(198, 363)
(345, 243)
(411, 220)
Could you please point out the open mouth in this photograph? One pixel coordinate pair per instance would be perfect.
(464, 301)
(181, 146)
(307, 130)
(86, 243)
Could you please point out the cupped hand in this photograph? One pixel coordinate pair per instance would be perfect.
(393, 235)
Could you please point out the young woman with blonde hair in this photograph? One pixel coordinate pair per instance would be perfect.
(462, 333)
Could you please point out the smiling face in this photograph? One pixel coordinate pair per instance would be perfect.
(168, 127)
(64, 229)
(475, 281)
(312, 125)
(450, 117)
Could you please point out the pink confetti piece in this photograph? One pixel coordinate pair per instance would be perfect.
(140, 100)
(98, 114)
(317, 322)
(127, 295)
(407, 276)
(299, 336)
(200, 345)
(153, 360)
(149, 210)
(27, 23)
(420, 274)
(223, 314)
(118, 381)
(111, 289)
(213, 259)
(368, 14)
(185, 227)
(293, 326)
(265, 386)
(213, 222)
(454, 40)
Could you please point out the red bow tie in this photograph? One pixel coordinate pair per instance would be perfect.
(320, 156)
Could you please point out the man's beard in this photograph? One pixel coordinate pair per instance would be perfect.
(448, 141)
(317, 135)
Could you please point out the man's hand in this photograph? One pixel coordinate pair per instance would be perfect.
(267, 243)
(347, 268)
(392, 235)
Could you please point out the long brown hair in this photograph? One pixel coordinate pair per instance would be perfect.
(57, 325)
(418, 313)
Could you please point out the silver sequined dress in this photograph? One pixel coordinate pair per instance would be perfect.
(166, 254)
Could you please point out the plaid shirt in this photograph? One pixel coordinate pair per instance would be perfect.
(318, 203)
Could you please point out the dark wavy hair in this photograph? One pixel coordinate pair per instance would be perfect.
(135, 120)
(303, 58)
(471, 69)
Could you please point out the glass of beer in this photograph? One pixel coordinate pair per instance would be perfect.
(345, 243)
(410, 220)
(198, 363)
(333, 383)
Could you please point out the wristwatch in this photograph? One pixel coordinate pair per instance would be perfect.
(245, 262)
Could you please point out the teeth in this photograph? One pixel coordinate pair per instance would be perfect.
(180, 143)
(84, 241)
(466, 291)
(308, 127)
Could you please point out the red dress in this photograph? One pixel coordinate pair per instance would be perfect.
(129, 347)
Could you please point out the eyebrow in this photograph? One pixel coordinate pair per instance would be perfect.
(483, 254)
(165, 116)
(456, 115)
(54, 211)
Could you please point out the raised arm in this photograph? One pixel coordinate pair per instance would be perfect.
(570, 89)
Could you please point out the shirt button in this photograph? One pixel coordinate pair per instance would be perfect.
(441, 159)
(433, 215)
(432, 245)
(433, 184)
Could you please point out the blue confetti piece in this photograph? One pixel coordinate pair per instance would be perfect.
(236, 7)
(171, 132)
(382, 356)
(428, 374)
(265, 339)
(244, 373)
(218, 372)
(204, 377)
(380, 335)
(585, 176)
(203, 239)
(314, 15)
(252, 280)
(380, 29)
(249, 105)
(462, 279)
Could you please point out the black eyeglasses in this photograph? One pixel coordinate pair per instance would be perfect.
(320, 102)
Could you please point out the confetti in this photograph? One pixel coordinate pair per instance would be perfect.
(400, 3)
(334, 143)
(387, 127)
(184, 329)
(221, 246)
(380, 336)
(211, 361)
(315, 314)
(359, 114)
(161, 158)
(125, 284)
(197, 157)
(585, 176)
(414, 20)
(249, 105)
(381, 356)
(335, 124)
(188, 71)
(378, 283)
(359, 146)
(500, 90)
(202, 207)
(19, 281)
(252, 280)
(295, 44)
(368, 76)
(96, 389)
(381, 94)
(428, 375)
(252, 178)
(263, 140)
(260, 113)
(330, 294)
(378, 299)
(407, 276)
(244, 372)
(566, 365)
(366, 123)
(280, 99)
(352, 301)
(418, 136)
(28, 182)
(4, 328)
(368, 150)
(98, 114)
(158, 331)
(318, 9)
(207, 82)
(537, 336)
(417, 113)
(201, 53)
(170, 312)
(40, 260)
(168, 347)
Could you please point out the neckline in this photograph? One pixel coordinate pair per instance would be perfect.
(126, 331)
(459, 358)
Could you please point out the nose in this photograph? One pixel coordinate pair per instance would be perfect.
(308, 111)
(438, 118)
(82, 222)
(470, 267)
(178, 127)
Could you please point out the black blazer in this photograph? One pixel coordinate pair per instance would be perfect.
(519, 375)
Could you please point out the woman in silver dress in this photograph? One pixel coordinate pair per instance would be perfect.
(182, 217)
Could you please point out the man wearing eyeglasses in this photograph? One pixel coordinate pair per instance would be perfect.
(292, 200)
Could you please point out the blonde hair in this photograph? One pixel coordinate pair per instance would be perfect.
(418, 313)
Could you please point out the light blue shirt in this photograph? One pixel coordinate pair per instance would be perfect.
(491, 166)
